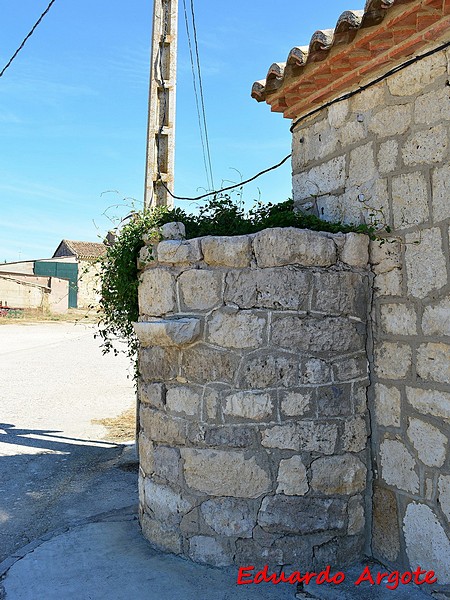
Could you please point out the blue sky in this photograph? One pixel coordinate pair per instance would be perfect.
(73, 110)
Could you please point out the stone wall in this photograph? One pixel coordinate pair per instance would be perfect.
(383, 156)
(252, 393)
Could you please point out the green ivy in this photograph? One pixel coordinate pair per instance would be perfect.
(221, 216)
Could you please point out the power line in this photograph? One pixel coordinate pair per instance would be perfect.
(201, 93)
(8, 64)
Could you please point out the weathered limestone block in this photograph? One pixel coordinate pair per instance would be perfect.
(287, 245)
(209, 551)
(269, 369)
(436, 318)
(429, 442)
(158, 364)
(432, 107)
(350, 368)
(233, 328)
(167, 332)
(146, 454)
(257, 406)
(200, 289)
(166, 462)
(281, 514)
(341, 293)
(157, 292)
(385, 255)
(159, 427)
(337, 113)
(356, 515)
(386, 535)
(387, 405)
(398, 319)
(164, 504)
(145, 257)
(409, 200)
(425, 262)
(387, 156)
(444, 494)
(355, 434)
(430, 402)
(391, 120)
(240, 476)
(285, 288)
(343, 474)
(227, 251)
(292, 479)
(309, 436)
(183, 399)
(398, 467)
(372, 97)
(326, 334)
(433, 362)
(179, 252)
(313, 143)
(427, 544)
(393, 360)
(173, 231)
(441, 192)
(204, 364)
(231, 436)
(230, 516)
(425, 147)
(297, 403)
(362, 165)
(412, 80)
(334, 401)
(166, 539)
(153, 394)
(322, 179)
(315, 371)
(355, 252)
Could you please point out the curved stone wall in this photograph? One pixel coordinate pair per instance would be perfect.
(252, 391)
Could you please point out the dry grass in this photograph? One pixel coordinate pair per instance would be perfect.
(73, 315)
(121, 428)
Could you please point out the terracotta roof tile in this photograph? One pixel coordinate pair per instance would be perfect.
(362, 45)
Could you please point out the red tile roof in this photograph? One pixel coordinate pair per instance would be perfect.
(363, 44)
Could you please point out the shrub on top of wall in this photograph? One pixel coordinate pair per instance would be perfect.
(118, 270)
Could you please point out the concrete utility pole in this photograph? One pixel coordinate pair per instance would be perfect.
(161, 112)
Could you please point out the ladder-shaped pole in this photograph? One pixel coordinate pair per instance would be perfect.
(161, 112)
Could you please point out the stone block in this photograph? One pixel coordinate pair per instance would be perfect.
(389, 284)
(387, 405)
(285, 288)
(385, 255)
(153, 394)
(209, 551)
(160, 535)
(444, 494)
(231, 517)
(355, 252)
(313, 143)
(342, 474)
(409, 200)
(200, 289)
(292, 479)
(158, 364)
(167, 332)
(391, 120)
(146, 454)
(204, 364)
(231, 436)
(334, 401)
(323, 179)
(355, 435)
(211, 403)
(387, 156)
(233, 328)
(427, 544)
(280, 513)
(356, 516)
(269, 369)
(179, 252)
(426, 265)
(430, 402)
(285, 437)
(282, 246)
(372, 97)
(165, 504)
(317, 334)
(159, 427)
(257, 406)
(362, 165)
(337, 113)
(398, 467)
(432, 107)
(173, 231)
(441, 193)
(341, 293)
(167, 463)
(227, 251)
(240, 475)
(315, 371)
(145, 257)
(398, 319)
(251, 552)
(411, 81)
(433, 362)
(385, 532)
(393, 360)
(427, 146)
(351, 368)
(436, 318)
(429, 442)
(184, 400)
(297, 403)
(315, 436)
(156, 292)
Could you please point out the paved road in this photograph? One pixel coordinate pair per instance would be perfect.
(55, 465)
